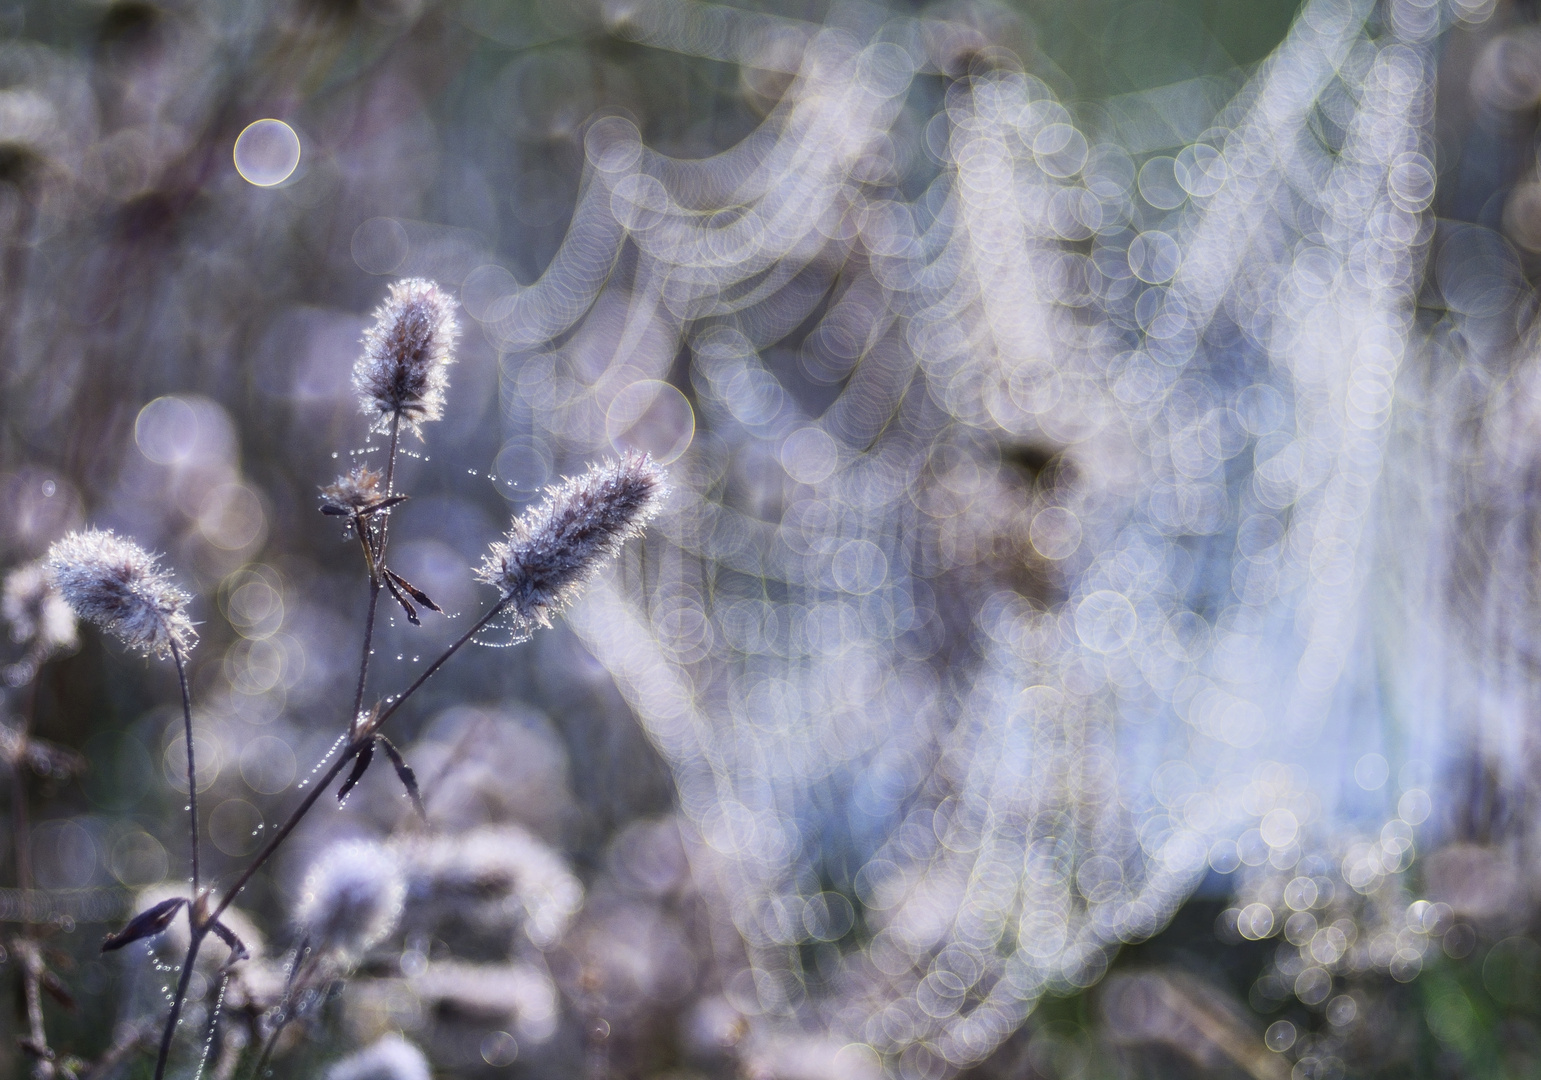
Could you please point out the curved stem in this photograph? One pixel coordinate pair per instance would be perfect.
(360, 740)
(192, 774)
(186, 977)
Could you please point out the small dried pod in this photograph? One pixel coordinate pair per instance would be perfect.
(353, 493)
(401, 376)
(148, 923)
(552, 549)
(116, 584)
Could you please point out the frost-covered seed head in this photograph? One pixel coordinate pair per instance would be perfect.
(353, 492)
(402, 370)
(117, 585)
(37, 615)
(391, 1058)
(352, 897)
(552, 549)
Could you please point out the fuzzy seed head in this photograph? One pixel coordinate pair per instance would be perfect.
(352, 897)
(391, 1058)
(402, 370)
(353, 492)
(38, 616)
(116, 584)
(552, 549)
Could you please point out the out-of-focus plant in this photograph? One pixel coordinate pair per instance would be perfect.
(353, 897)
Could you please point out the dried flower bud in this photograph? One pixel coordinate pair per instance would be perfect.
(354, 492)
(401, 372)
(37, 615)
(552, 549)
(391, 1058)
(352, 897)
(115, 584)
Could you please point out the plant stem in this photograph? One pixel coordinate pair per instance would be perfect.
(192, 774)
(481, 625)
(196, 928)
(181, 995)
(358, 743)
(376, 565)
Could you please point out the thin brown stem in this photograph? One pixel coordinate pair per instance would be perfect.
(192, 772)
(376, 561)
(360, 740)
(481, 625)
(186, 977)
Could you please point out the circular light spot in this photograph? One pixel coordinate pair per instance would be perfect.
(499, 1048)
(63, 855)
(235, 827)
(484, 290)
(267, 152)
(1055, 533)
(206, 760)
(860, 567)
(809, 455)
(1341, 1010)
(268, 765)
(1255, 922)
(1371, 771)
(380, 246)
(652, 416)
(166, 430)
(1106, 621)
(1279, 827)
(522, 468)
(1159, 184)
(1414, 806)
(1280, 1036)
(231, 517)
(137, 859)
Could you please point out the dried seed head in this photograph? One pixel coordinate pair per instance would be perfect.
(37, 615)
(353, 492)
(352, 897)
(116, 584)
(391, 1058)
(552, 549)
(402, 371)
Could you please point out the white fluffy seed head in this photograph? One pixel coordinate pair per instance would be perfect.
(402, 369)
(391, 1058)
(117, 585)
(352, 897)
(552, 549)
(38, 616)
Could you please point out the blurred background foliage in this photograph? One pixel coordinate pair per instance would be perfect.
(176, 345)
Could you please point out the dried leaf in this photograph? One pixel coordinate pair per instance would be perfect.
(383, 504)
(406, 605)
(238, 949)
(360, 764)
(332, 510)
(416, 593)
(405, 773)
(147, 923)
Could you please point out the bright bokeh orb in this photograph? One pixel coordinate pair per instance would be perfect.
(267, 152)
